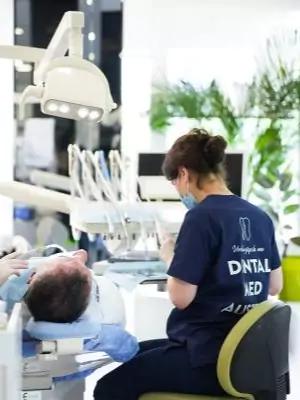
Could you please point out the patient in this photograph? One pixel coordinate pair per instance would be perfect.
(59, 289)
(55, 290)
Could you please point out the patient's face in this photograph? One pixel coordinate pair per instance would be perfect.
(63, 264)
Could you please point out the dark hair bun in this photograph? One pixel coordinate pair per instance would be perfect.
(214, 150)
(197, 151)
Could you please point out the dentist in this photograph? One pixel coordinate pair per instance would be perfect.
(224, 262)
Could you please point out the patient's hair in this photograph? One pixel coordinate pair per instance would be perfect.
(60, 297)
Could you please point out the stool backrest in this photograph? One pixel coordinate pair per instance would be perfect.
(254, 355)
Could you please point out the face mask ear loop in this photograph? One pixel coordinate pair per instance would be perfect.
(188, 192)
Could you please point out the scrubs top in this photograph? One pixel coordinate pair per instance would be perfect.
(226, 247)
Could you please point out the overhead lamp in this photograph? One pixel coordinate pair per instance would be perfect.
(91, 36)
(94, 115)
(83, 112)
(19, 31)
(65, 85)
(91, 56)
(63, 108)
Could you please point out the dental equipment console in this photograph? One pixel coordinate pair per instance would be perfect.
(70, 87)
(103, 203)
(153, 185)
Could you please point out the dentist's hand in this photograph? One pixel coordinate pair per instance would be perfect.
(10, 265)
(166, 251)
(11, 244)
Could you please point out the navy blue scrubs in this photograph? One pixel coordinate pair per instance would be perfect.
(226, 247)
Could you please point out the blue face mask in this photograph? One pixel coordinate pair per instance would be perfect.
(189, 201)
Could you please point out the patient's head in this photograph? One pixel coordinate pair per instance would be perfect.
(59, 290)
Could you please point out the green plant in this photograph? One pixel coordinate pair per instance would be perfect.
(273, 100)
(222, 108)
(278, 82)
(272, 176)
(181, 100)
(186, 101)
(274, 93)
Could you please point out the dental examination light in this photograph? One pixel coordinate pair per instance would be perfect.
(66, 85)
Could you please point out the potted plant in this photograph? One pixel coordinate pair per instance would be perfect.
(198, 105)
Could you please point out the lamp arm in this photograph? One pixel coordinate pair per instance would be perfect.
(25, 53)
(68, 36)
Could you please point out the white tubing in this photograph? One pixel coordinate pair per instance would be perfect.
(36, 196)
(50, 180)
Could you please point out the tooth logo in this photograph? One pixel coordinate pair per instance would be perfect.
(245, 228)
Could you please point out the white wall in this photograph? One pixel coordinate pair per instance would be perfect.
(193, 39)
(6, 114)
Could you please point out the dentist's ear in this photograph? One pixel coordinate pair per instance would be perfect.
(81, 254)
(184, 174)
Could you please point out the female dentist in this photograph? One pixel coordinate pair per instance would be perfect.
(225, 261)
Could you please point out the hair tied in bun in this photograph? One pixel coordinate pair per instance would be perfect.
(214, 150)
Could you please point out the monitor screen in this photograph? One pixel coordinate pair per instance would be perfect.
(153, 184)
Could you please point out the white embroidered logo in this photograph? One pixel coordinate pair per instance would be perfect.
(245, 228)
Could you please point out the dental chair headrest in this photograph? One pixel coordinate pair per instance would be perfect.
(110, 310)
(105, 307)
(88, 325)
(85, 327)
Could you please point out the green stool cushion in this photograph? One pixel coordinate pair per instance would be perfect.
(179, 396)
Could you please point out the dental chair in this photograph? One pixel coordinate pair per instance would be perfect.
(59, 359)
(58, 356)
(52, 353)
(253, 361)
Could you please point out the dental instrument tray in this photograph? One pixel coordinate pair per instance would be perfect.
(130, 274)
(135, 256)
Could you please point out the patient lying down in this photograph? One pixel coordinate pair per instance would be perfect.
(60, 288)
(65, 300)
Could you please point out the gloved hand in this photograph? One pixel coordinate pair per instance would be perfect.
(10, 244)
(166, 251)
(10, 265)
